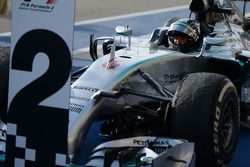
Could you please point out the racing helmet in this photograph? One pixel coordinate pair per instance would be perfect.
(187, 29)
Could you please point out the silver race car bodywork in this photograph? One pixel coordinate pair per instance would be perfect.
(136, 91)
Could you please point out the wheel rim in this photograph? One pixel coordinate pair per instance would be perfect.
(228, 129)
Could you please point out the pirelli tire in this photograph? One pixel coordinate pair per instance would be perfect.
(4, 79)
(205, 110)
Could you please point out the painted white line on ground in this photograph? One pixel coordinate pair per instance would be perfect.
(5, 34)
(131, 15)
(120, 17)
(82, 53)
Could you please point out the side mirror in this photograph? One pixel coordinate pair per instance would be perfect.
(93, 45)
(214, 41)
(209, 41)
(125, 31)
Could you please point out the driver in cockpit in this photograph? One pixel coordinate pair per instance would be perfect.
(181, 34)
(185, 35)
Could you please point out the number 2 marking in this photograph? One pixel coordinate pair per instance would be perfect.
(40, 123)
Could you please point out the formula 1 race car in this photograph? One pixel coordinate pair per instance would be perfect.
(161, 107)
(157, 106)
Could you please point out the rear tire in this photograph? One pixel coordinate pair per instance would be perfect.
(205, 110)
(4, 79)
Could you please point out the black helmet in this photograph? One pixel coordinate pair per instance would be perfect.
(187, 28)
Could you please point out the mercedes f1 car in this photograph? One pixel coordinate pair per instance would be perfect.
(160, 107)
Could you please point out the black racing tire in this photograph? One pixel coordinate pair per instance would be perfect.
(4, 80)
(205, 110)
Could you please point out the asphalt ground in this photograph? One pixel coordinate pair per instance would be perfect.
(95, 9)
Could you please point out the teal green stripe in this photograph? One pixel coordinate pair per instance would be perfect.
(2, 157)
(130, 68)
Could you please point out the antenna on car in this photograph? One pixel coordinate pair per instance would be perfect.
(111, 62)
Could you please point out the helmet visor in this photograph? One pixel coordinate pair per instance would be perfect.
(185, 29)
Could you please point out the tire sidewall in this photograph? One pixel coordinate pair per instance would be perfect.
(226, 92)
(4, 81)
(197, 114)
